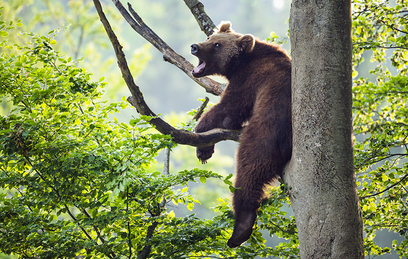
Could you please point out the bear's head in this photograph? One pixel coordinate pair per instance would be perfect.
(219, 50)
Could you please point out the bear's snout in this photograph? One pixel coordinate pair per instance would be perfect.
(194, 49)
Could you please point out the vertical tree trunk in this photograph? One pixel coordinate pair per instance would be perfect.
(321, 174)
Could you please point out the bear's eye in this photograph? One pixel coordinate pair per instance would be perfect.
(217, 45)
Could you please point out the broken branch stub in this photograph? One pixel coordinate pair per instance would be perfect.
(203, 20)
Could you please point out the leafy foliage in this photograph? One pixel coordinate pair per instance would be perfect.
(71, 171)
(76, 181)
(381, 121)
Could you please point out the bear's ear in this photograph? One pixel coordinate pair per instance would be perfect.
(224, 27)
(246, 43)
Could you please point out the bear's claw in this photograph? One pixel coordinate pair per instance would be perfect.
(205, 153)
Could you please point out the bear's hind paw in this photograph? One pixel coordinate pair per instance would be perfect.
(236, 241)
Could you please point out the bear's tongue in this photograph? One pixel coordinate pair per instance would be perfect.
(200, 67)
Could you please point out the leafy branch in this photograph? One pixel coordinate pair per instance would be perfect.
(386, 189)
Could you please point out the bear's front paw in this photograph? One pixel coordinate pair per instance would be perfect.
(204, 153)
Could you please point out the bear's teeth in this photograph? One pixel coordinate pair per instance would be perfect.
(199, 68)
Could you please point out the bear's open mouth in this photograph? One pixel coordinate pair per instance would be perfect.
(200, 68)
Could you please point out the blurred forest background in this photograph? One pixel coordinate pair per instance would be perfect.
(166, 89)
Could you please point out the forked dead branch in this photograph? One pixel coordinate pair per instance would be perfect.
(169, 55)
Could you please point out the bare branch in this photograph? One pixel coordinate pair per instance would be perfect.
(203, 20)
(137, 100)
(169, 54)
(189, 138)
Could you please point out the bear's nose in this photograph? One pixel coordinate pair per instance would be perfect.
(194, 49)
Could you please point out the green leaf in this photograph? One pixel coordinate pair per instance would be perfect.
(190, 206)
(384, 177)
(33, 115)
(203, 180)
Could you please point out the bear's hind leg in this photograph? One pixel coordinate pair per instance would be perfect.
(258, 164)
(246, 201)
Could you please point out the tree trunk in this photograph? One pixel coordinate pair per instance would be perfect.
(321, 175)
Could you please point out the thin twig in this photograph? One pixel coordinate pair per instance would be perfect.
(372, 159)
(166, 171)
(380, 47)
(201, 109)
(75, 220)
(391, 26)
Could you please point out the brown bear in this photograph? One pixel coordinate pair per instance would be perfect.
(259, 94)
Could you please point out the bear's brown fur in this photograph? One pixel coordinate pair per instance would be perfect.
(258, 92)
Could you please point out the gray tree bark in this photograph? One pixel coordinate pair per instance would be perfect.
(321, 175)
